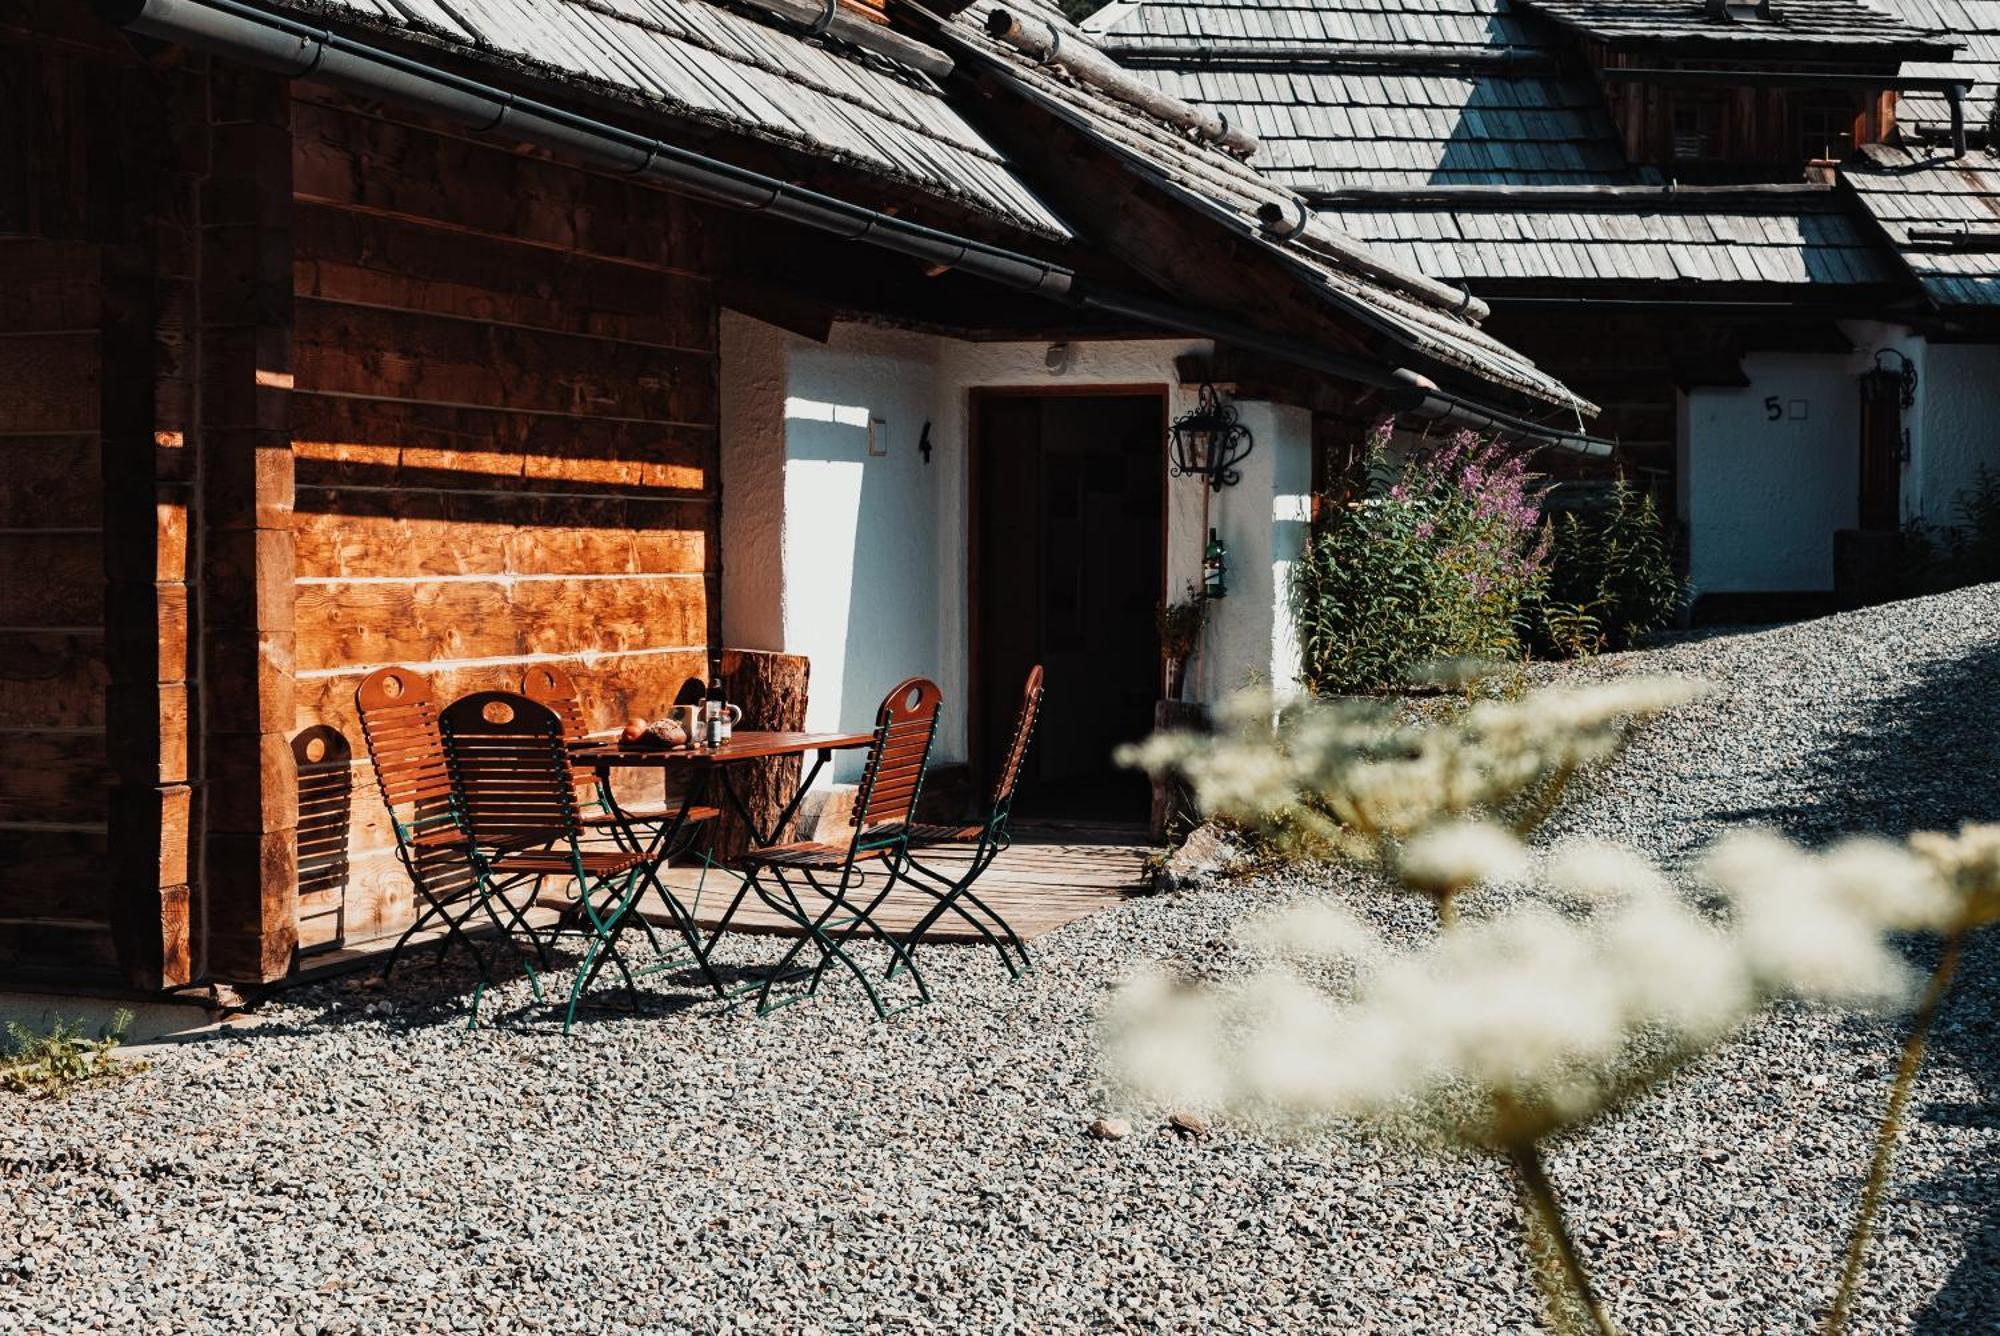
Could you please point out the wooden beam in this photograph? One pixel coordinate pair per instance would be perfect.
(1089, 66)
(247, 907)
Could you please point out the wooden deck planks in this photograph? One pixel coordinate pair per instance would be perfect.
(1051, 877)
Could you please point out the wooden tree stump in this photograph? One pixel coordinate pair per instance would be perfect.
(771, 688)
(1174, 810)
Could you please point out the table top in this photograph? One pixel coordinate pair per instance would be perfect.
(745, 745)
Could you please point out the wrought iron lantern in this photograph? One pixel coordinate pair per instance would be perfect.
(1208, 441)
(1887, 383)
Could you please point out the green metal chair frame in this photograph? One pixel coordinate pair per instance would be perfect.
(673, 829)
(988, 840)
(399, 724)
(515, 788)
(891, 783)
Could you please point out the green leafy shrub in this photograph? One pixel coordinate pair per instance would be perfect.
(1611, 577)
(1440, 564)
(1936, 558)
(53, 1065)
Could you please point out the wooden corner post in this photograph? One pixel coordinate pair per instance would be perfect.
(148, 392)
(246, 911)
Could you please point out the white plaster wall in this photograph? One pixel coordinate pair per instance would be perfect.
(862, 584)
(860, 562)
(1265, 521)
(1762, 497)
(1956, 427)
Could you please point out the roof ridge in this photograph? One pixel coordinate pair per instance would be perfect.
(1531, 197)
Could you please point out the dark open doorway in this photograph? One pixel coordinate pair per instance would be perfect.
(1067, 561)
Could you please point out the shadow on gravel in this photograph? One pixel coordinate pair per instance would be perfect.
(425, 994)
(1970, 1298)
(1928, 758)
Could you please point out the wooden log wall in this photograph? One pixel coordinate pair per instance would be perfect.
(54, 670)
(1757, 124)
(503, 416)
(1623, 363)
(98, 277)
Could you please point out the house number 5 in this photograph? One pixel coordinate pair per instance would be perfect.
(1774, 410)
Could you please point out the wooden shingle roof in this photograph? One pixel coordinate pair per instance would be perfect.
(1379, 92)
(1941, 214)
(1414, 126)
(1977, 24)
(699, 62)
(1230, 191)
(1835, 27)
(1411, 25)
(1788, 237)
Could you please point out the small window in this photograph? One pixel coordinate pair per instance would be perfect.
(1697, 129)
(1826, 127)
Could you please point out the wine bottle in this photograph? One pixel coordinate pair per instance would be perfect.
(719, 699)
(714, 723)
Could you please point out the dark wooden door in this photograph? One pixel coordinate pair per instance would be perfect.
(1069, 497)
(1881, 498)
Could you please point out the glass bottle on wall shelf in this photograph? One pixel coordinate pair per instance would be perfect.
(1214, 565)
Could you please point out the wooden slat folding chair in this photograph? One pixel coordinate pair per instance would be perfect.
(667, 832)
(984, 842)
(679, 820)
(515, 786)
(399, 722)
(836, 874)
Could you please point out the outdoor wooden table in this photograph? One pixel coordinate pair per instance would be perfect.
(710, 766)
(715, 764)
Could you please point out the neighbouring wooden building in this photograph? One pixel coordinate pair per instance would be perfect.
(1715, 220)
(479, 334)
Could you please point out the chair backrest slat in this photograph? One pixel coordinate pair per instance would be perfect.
(1009, 778)
(399, 725)
(549, 685)
(893, 778)
(555, 688)
(511, 767)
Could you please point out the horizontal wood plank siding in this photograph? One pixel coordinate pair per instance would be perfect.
(55, 906)
(503, 419)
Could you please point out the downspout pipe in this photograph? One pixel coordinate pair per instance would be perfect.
(240, 32)
(300, 51)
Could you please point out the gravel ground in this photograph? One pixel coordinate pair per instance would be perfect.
(358, 1161)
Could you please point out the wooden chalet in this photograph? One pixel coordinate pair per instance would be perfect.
(1717, 220)
(607, 333)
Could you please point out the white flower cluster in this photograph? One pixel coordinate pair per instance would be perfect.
(1969, 864)
(1356, 777)
(1512, 1026)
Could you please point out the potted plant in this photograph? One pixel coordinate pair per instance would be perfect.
(1180, 636)
(1180, 626)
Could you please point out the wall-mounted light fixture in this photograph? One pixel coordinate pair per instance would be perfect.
(1902, 382)
(1208, 442)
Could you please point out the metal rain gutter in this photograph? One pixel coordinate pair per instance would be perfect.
(241, 32)
(1408, 391)
(298, 50)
